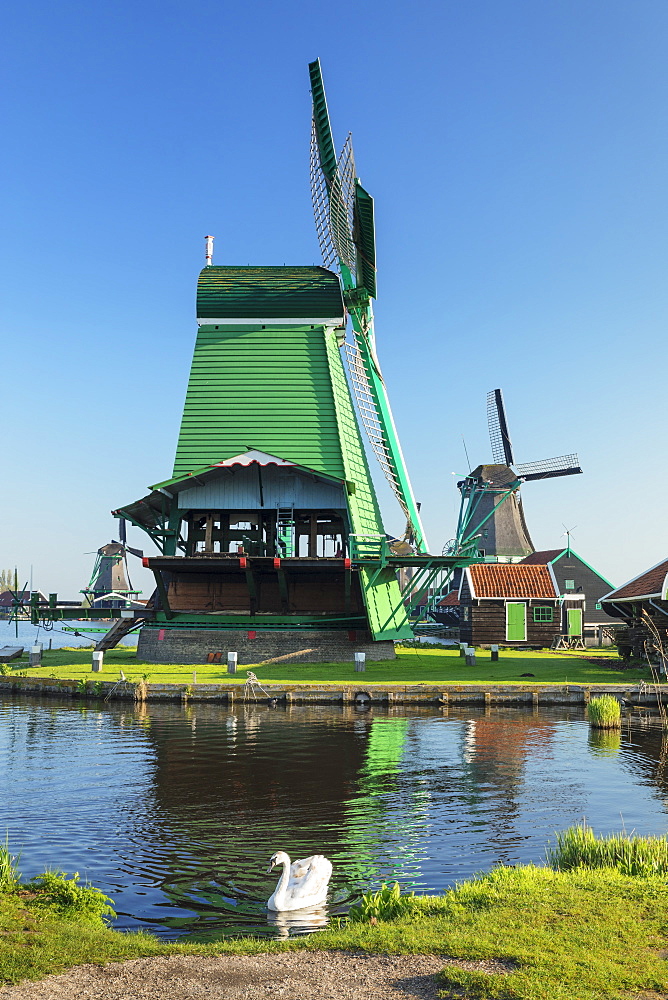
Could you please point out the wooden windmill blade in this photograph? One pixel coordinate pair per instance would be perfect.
(502, 449)
(549, 468)
(344, 220)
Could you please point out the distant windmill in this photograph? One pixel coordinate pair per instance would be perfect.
(491, 518)
(109, 585)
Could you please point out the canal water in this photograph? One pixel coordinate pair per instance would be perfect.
(174, 812)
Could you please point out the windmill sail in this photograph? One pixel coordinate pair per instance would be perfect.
(549, 468)
(345, 227)
(502, 449)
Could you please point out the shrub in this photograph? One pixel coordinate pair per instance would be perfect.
(385, 904)
(604, 712)
(579, 847)
(54, 890)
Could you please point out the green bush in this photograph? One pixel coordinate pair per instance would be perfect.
(56, 891)
(579, 847)
(604, 712)
(385, 904)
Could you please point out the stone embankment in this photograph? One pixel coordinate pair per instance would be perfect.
(382, 695)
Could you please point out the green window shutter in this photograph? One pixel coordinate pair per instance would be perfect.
(516, 621)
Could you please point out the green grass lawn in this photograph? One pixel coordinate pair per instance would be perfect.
(581, 935)
(412, 666)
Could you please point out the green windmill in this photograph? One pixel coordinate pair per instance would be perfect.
(269, 534)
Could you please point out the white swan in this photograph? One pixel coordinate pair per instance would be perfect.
(302, 883)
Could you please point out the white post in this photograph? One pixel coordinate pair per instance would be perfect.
(470, 656)
(360, 662)
(36, 655)
(495, 654)
(98, 662)
(231, 663)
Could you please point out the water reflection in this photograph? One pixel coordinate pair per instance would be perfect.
(175, 811)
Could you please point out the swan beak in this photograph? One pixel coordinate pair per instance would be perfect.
(271, 868)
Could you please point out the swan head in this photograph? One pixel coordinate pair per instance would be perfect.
(279, 858)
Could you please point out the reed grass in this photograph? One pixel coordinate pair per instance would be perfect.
(580, 847)
(9, 872)
(604, 712)
(387, 903)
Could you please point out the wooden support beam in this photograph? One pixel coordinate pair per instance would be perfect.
(313, 536)
(208, 534)
(283, 588)
(348, 579)
(162, 590)
(252, 589)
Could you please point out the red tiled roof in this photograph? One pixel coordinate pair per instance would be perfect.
(648, 584)
(511, 580)
(542, 558)
(449, 601)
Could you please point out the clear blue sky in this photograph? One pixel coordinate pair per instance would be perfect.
(517, 153)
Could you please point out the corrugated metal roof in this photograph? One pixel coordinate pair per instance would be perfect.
(648, 584)
(511, 580)
(272, 292)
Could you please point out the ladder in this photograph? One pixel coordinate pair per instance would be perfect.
(285, 532)
(118, 630)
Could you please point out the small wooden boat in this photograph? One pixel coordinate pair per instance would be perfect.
(10, 653)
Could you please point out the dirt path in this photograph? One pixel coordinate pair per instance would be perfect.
(299, 975)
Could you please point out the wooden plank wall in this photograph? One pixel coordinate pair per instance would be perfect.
(487, 624)
(308, 593)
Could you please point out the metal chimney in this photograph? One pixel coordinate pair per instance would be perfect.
(208, 252)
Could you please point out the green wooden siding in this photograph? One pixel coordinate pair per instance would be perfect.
(268, 389)
(275, 292)
(516, 621)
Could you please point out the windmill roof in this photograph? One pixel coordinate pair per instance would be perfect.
(288, 293)
(510, 580)
(500, 476)
(647, 584)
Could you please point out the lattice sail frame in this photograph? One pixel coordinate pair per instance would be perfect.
(502, 449)
(333, 204)
(366, 406)
(548, 468)
(343, 213)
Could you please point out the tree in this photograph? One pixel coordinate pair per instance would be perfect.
(7, 580)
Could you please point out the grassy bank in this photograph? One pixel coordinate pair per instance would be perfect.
(412, 666)
(580, 935)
